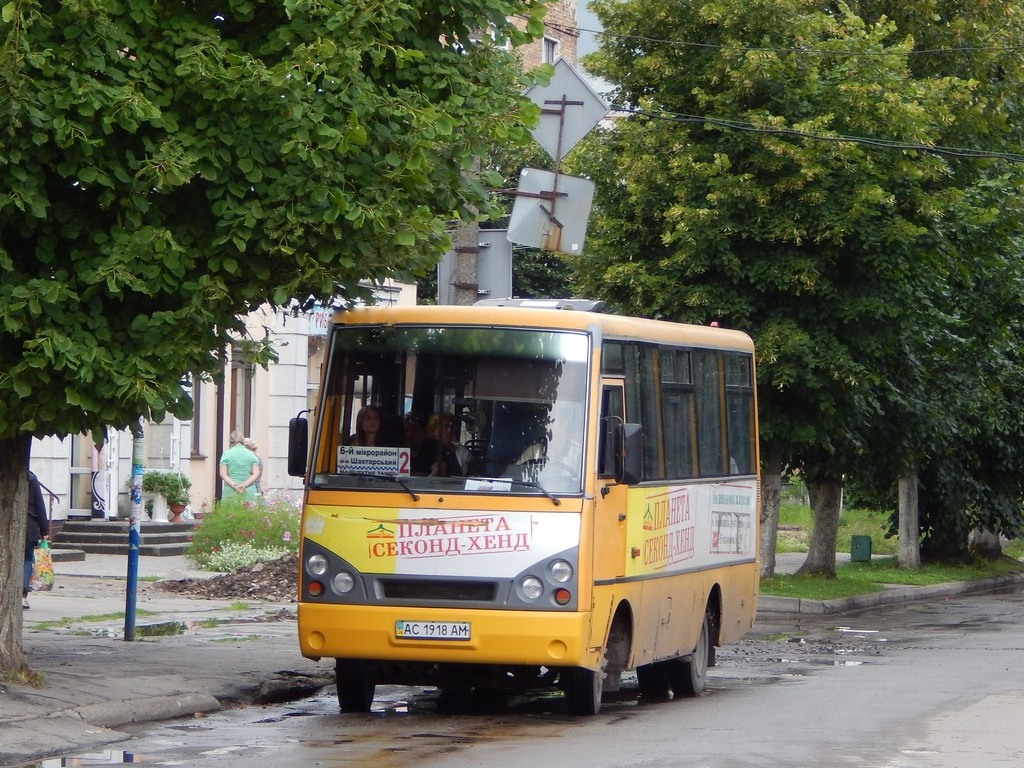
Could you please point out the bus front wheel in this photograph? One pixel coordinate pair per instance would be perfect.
(355, 685)
(582, 690)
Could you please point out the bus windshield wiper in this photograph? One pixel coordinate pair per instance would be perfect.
(390, 478)
(525, 483)
(530, 484)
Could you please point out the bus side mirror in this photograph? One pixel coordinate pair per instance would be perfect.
(631, 462)
(298, 446)
(622, 451)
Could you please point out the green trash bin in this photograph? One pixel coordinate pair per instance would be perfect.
(860, 549)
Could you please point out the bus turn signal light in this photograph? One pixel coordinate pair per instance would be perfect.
(562, 596)
(315, 589)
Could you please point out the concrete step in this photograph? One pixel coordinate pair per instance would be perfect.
(67, 555)
(110, 537)
(155, 550)
(117, 537)
(77, 526)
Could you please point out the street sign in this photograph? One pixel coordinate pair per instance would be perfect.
(570, 108)
(551, 211)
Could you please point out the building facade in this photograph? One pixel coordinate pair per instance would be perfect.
(561, 33)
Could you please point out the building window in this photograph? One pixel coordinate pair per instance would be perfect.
(549, 50)
(240, 406)
(197, 411)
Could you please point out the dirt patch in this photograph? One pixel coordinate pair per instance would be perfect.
(274, 581)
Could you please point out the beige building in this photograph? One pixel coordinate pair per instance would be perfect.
(561, 33)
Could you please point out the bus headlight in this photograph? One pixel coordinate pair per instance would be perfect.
(316, 565)
(560, 570)
(531, 587)
(343, 583)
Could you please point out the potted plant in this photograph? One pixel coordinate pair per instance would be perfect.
(168, 490)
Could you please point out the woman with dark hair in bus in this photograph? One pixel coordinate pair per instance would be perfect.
(367, 426)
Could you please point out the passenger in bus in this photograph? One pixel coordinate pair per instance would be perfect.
(367, 426)
(424, 451)
(454, 457)
(534, 456)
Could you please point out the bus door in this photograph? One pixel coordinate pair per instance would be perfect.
(610, 504)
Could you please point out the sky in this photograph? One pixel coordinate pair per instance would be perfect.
(585, 19)
(588, 42)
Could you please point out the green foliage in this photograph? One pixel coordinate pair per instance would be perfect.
(232, 556)
(171, 485)
(881, 283)
(165, 168)
(239, 532)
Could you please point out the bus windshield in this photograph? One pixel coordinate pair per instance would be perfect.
(474, 409)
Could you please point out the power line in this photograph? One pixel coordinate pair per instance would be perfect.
(740, 125)
(761, 49)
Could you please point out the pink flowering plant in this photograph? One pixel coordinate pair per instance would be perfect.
(239, 532)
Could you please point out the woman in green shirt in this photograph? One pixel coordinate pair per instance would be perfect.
(239, 469)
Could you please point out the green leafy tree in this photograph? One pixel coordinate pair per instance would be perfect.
(776, 177)
(973, 477)
(166, 167)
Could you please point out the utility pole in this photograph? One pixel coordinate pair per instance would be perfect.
(466, 280)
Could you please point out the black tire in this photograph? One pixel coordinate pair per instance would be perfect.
(582, 690)
(688, 677)
(652, 682)
(355, 685)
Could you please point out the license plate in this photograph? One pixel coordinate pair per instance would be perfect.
(432, 630)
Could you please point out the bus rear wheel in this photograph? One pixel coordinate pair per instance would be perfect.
(355, 685)
(687, 678)
(582, 690)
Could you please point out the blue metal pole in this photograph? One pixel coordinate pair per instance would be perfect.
(134, 535)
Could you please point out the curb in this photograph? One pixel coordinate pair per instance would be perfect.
(895, 596)
(113, 714)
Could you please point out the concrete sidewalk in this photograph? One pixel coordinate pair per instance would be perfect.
(193, 655)
(190, 655)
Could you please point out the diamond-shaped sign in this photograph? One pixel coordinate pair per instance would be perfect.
(570, 108)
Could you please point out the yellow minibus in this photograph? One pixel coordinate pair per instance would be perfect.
(527, 495)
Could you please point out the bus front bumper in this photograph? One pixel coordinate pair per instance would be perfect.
(543, 638)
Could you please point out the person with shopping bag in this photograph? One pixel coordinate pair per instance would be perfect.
(37, 529)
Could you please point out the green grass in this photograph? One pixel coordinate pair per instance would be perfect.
(24, 677)
(91, 618)
(865, 578)
(795, 529)
(859, 578)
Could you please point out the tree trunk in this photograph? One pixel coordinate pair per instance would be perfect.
(825, 496)
(771, 489)
(13, 516)
(909, 555)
